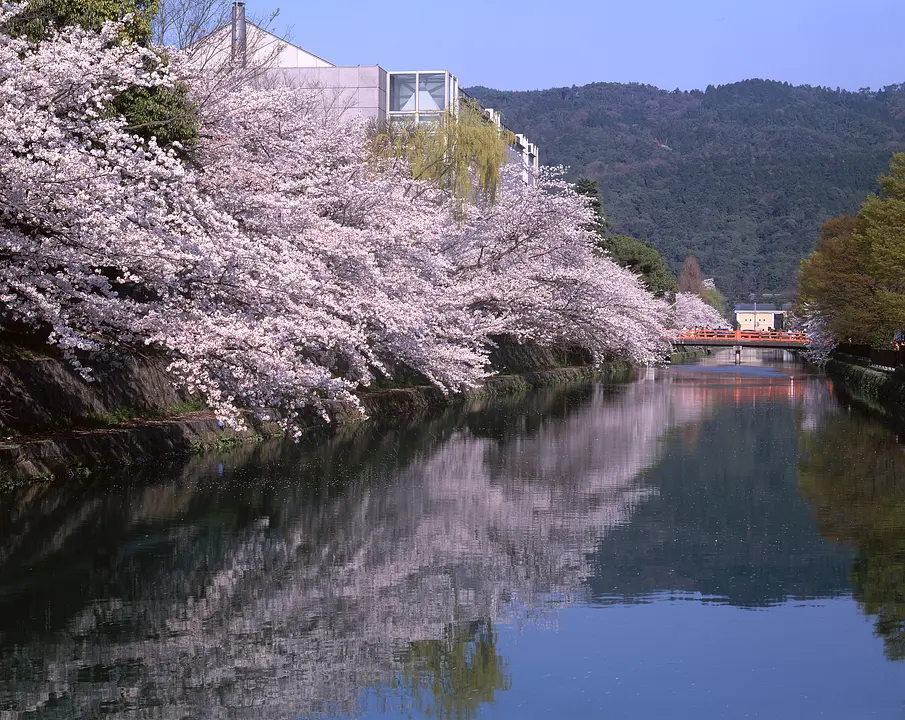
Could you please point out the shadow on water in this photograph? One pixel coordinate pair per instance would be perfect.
(377, 566)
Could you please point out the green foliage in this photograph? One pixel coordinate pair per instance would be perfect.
(851, 474)
(40, 15)
(640, 257)
(161, 112)
(881, 233)
(835, 282)
(741, 176)
(164, 113)
(856, 276)
(716, 300)
(637, 255)
(461, 152)
(591, 190)
(451, 678)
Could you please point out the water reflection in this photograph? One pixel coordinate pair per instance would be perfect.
(290, 579)
(852, 471)
(726, 521)
(450, 677)
(377, 569)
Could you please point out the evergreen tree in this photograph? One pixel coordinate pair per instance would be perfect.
(640, 257)
(637, 255)
(591, 190)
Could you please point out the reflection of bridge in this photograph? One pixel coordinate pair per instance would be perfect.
(741, 338)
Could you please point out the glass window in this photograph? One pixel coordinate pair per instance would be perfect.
(431, 92)
(430, 120)
(406, 119)
(402, 92)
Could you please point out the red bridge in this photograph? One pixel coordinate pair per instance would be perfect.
(741, 338)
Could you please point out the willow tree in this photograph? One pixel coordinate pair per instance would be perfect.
(451, 678)
(462, 152)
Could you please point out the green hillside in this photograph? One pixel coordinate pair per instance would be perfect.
(740, 175)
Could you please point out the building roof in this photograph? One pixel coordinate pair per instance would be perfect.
(761, 307)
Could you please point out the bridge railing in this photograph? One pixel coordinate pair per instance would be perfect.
(777, 336)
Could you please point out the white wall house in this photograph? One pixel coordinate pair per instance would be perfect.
(368, 90)
(759, 317)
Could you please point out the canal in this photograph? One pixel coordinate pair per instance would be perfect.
(710, 541)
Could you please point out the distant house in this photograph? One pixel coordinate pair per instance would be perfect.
(758, 316)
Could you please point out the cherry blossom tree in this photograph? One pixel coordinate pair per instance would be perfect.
(690, 311)
(109, 243)
(286, 265)
(96, 226)
(820, 340)
(532, 268)
(354, 244)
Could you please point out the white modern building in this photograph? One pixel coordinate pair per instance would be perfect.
(368, 90)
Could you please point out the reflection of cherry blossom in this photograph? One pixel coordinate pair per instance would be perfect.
(304, 609)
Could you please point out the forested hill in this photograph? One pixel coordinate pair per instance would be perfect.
(740, 175)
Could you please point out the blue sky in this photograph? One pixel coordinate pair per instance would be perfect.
(669, 43)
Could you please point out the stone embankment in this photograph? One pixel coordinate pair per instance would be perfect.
(685, 353)
(883, 391)
(54, 423)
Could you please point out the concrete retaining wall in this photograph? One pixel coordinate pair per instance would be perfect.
(684, 353)
(885, 391)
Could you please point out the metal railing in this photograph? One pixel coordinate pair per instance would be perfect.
(873, 356)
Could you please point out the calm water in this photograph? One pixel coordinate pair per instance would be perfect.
(710, 541)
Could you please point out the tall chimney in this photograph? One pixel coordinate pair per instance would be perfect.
(239, 45)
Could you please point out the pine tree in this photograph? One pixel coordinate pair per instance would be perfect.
(591, 190)
(639, 256)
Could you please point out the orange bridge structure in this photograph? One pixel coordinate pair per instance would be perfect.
(741, 338)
